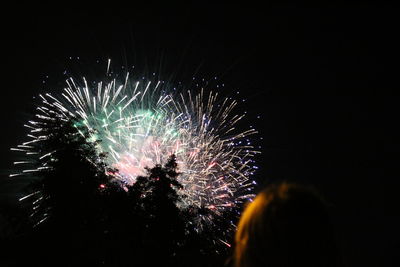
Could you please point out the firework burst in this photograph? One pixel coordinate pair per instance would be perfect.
(140, 124)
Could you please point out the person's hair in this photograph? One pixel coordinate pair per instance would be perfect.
(285, 225)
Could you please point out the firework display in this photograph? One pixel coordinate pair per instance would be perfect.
(142, 123)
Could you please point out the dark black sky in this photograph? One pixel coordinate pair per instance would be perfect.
(317, 77)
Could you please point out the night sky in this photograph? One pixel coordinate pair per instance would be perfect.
(315, 76)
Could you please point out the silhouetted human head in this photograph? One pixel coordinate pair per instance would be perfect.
(285, 225)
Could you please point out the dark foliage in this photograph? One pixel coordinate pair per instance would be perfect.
(91, 220)
(160, 223)
(74, 175)
(69, 213)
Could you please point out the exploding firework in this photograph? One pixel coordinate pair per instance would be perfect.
(141, 123)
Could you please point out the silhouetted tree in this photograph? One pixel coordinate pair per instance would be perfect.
(72, 180)
(155, 198)
(92, 220)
